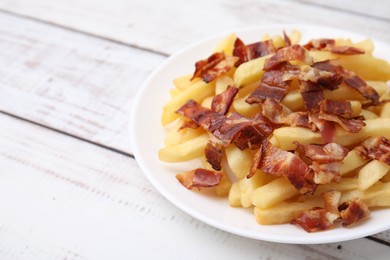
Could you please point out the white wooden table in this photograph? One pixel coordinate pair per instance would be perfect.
(69, 70)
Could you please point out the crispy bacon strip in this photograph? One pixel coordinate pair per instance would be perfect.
(287, 39)
(222, 102)
(326, 172)
(351, 79)
(213, 153)
(353, 211)
(252, 51)
(266, 91)
(335, 107)
(377, 148)
(326, 128)
(318, 219)
(199, 178)
(290, 53)
(215, 65)
(283, 163)
(331, 152)
(352, 125)
(330, 45)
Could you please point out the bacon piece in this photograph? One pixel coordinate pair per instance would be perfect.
(215, 65)
(331, 152)
(255, 162)
(350, 79)
(377, 148)
(278, 162)
(313, 220)
(326, 128)
(277, 113)
(202, 116)
(287, 39)
(294, 52)
(330, 45)
(326, 172)
(353, 211)
(335, 107)
(222, 102)
(213, 153)
(352, 125)
(318, 219)
(266, 91)
(244, 132)
(199, 178)
(252, 51)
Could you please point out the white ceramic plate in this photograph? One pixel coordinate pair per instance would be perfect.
(147, 136)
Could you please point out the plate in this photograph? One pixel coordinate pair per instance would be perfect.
(147, 137)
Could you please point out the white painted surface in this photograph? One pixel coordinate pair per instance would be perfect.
(65, 198)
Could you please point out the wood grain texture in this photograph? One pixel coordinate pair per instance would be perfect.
(167, 26)
(379, 9)
(66, 199)
(72, 82)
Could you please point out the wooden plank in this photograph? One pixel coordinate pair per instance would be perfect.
(379, 8)
(69, 81)
(172, 24)
(63, 198)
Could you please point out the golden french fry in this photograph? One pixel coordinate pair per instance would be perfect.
(227, 44)
(238, 161)
(293, 100)
(374, 127)
(176, 136)
(272, 193)
(385, 112)
(247, 187)
(351, 162)
(245, 109)
(235, 195)
(284, 212)
(378, 195)
(250, 71)
(368, 114)
(222, 83)
(222, 190)
(186, 151)
(371, 173)
(197, 91)
(183, 82)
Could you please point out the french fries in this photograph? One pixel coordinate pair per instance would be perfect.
(274, 199)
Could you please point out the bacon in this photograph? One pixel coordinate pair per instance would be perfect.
(353, 211)
(199, 178)
(287, 39)
(283, 163)
(350, 124)
(311, 99)
(277, 113)
(252, 51)
(377, 148)
(294, 52)
(318, 219)
(215, 65)
(213, 153)
(330, 45)
(255, 162)
(222, 102)
(244, 132)
(338, 108)
(266, 91)
(331, 152)
(326, 172)
(202, 116)
(350, 79)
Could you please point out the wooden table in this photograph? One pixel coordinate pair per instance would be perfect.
(69, 70)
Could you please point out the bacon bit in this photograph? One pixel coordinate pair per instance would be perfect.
(377, 148)
(351, 79)
(312, 99)
(352, 125)
(213, 153)
(252, 51)
(287, 39)
(330, 45)
(222, 102)
(199, 178)
(313, 220)
(290, 53)
(318, 219)
(326, 172)
(277, 113)
(278, 162)
(326, 128)
(215, 65)
(353, 211)
(331, 152)
(255, 162)
(338, 108)
(266, 91)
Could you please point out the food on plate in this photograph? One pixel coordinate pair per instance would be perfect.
(298, 132)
